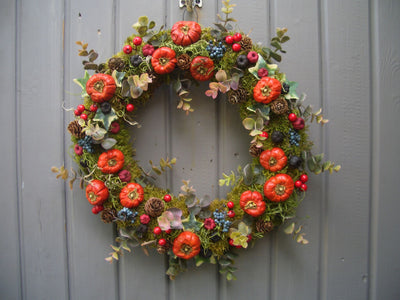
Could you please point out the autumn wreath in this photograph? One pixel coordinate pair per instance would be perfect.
(264, 193)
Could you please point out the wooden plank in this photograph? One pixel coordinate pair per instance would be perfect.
(39, 125)
(10, 283)
(88, 237)
(150, 141)
(385, 240)
(296, 266)
(254, 263)
(194, 142)
(346, 75)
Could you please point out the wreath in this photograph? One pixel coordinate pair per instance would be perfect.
(264, 193)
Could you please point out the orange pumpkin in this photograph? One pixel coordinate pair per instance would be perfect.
(267, 89)
(185, 33)
(279, 187)
(252, 203)
(131, 195)
(186, 245)
(101, 87)
(273, 159)
(111, 162)
(163, 60)
(202, 68)
(96, 192)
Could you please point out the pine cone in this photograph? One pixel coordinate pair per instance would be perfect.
(183, 61)
(246, 43)
(108, 215)
(154, 207)
(116, 63)
(237, 96)
(279, 106)
(76, 130)
(255, 151)
(163, 249)
(264, 226)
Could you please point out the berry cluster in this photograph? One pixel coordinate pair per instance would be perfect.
(301, 183)
(294, 137)
(126, 214)
(86, 144)
(216, 50)
(219, 218)
(234, 41)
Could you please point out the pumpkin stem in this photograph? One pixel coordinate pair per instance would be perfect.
(111, 162)
(265, 91)
(133, 195)
(163, 61)
(92, 196)
(250, 205)
(280, 189)
(98, 86)
(187, 249)
(185, 29)
(272, 161)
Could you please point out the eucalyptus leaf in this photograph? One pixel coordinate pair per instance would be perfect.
(152, 24)
(108, 143)
(261, 63)
(248, 123)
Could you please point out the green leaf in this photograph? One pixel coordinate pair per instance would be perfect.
(143, 20)
(152, 24)
(82, 83)
(289, 229)
(276, 44)
(105, 119)
(249, 123)
(284, 39)
(190, 223)
(292, 90)
(118, 77)
(224, 262)
(276, 56)
(261, 63)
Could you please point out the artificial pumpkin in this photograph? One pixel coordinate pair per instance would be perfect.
(185, 33)
(252, 203)
(273, 159)
(279, 187)
(163, 60)
(101, 87)
(267, 89)
(186, 245)
(202, 68)
(96, 192)
(131, 195)
(111, 162)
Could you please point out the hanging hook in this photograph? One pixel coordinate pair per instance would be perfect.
(190, 6)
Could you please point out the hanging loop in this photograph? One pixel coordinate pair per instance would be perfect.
(190, 6)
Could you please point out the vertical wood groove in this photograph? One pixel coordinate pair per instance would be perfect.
(375, 169)
(323, 239)
(18, 166)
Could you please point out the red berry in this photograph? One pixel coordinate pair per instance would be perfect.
(236, 47)
(249, 238)
(252, 56)
(167, 198)
(84, 117)
(262, 72)
(231, 242)
(127, 49)
(162, 242)
(229, 39)
(298, 183)
(264, 134)
(144, 219)
(115, 127)
(77, 112)
(97, 208)
(237, 37)
(292, 117)
(137, 41)
(168, 231)
(230, 204)
(304, 178)
(157, 230)
(81, 108)
(130, 107)
(304, 187)
(231, 214)
(93, 108)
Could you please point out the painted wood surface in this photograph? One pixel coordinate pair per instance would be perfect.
(345, 56)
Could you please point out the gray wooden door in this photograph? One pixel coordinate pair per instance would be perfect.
(345, 56)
